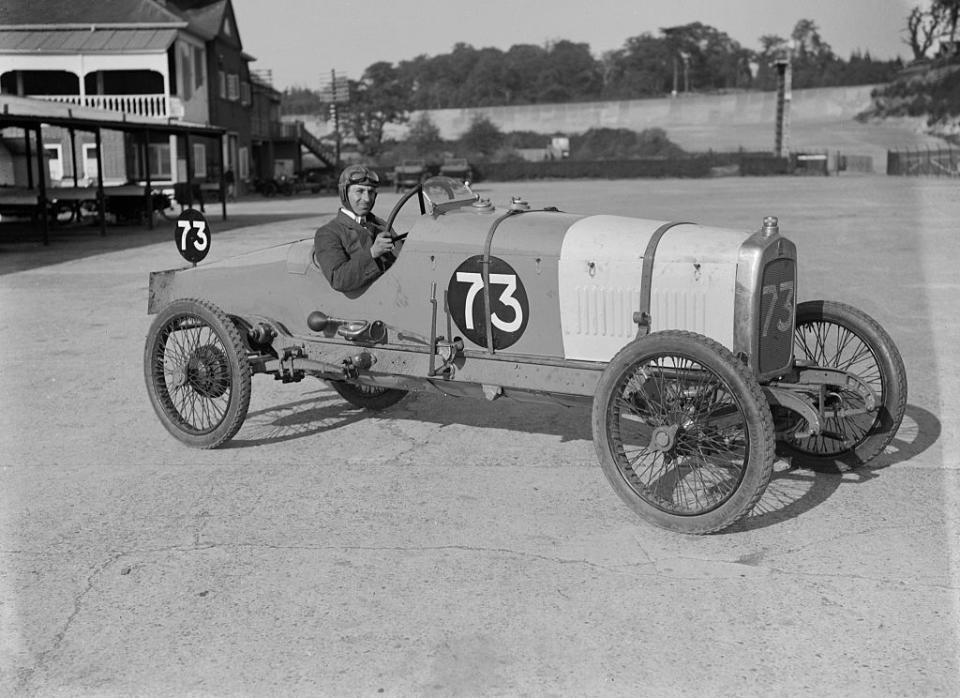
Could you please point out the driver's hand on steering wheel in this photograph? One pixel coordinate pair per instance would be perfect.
(382, 244)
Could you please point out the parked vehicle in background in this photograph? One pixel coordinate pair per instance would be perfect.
(409, 173)
(287, 185)
(457, 168)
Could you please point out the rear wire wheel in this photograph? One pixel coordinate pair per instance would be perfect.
(369, 397)
(836, 335)
(683, 432)
(197, 374)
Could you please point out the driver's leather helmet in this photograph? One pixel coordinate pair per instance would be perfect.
(355, 174)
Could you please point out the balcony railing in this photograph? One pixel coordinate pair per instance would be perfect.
(154, 106)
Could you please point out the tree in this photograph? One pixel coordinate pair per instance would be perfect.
(923, 29)
(378, 99)
(642, 68)
(424, 134)
(572, 74)
(951, 12)
(709, 58)
(523, 63)
(482, 137)
(813, 60)
(486, 83)
(301, 100)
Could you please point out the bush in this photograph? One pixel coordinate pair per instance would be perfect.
(597, 169)
(622, 143)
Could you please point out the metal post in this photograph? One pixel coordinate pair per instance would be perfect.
(784, 97)
(73, 155)
(101, 198)
(223, 179)
(42, 185)
(189, 158)
(336, 115)
(146, 167)
(29, 157)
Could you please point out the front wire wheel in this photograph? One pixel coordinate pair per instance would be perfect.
(836, 335)
(197, 373)
(683, 432)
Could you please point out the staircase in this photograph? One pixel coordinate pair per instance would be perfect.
(315, 146)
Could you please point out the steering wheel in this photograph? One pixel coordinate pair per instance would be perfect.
(418, 190)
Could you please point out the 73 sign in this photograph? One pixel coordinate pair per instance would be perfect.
(467, 300)
(192, 235)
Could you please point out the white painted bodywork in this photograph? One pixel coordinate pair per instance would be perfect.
(601, 263)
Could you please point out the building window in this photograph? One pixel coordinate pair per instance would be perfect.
(199, 160)
(198, 67)
(54, 162)
(90, 162)
(233, 87)
(160, 161)
(244, 157)
(223, 84)
(245, 93)
(188, 71)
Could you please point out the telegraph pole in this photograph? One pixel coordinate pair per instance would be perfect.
(335, 114)
(336, 94)
(784, 98)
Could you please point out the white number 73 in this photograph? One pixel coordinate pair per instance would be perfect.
(475, 280)
(201, 243)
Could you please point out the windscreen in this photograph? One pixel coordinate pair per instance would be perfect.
(446, 193)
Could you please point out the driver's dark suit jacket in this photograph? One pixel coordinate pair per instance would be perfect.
(342, 250)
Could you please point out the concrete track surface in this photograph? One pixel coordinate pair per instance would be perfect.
(464, 548)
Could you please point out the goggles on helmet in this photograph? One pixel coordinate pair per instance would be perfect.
(363, 176)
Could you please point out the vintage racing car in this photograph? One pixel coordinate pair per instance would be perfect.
(686, 340)
(457, 168)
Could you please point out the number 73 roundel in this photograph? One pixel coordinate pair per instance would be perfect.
(509, 307)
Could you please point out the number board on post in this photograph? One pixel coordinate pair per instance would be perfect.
(192, 235)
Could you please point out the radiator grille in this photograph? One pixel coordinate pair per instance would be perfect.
(777, 315)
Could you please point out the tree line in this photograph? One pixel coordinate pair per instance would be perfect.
(690, 58)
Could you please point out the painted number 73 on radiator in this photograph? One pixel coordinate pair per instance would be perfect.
(781, 299)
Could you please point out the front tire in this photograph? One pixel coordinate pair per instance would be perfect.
(368, 397)
(197, 374)
(836, 335)
(683, 432)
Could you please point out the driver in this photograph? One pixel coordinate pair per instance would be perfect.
(355, 248)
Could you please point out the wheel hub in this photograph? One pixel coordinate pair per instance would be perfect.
(664, 438)
(206, 371)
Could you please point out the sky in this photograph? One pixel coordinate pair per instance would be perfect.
(302, 41)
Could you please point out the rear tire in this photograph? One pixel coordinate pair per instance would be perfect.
(197, 373)
(836, 335)
(368, 397)
(683, 432)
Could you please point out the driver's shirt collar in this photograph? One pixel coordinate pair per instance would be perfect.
(354, 216)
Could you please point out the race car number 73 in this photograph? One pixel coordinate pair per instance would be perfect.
(200, 241)
(509, 282)
(781, 296)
